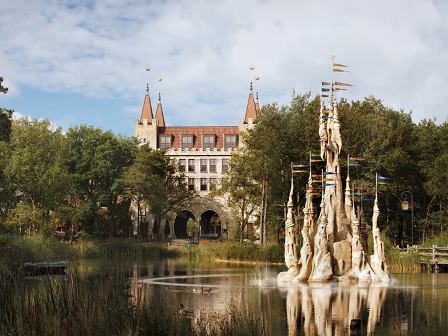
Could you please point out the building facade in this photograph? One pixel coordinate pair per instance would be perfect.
(203, 153)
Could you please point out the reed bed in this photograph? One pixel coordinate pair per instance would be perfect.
(104, 305)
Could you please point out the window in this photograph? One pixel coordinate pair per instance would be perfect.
(187, 141)
(230, 141)
(190, 183)
(225, 165)
(165, 141)
(212, 165)
(191, 165)
(203, 184)
(212, 184)
(144, 140)
(203, 165)
(208, 141)
(183, 165)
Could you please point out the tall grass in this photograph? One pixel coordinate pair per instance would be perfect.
(440, 240)
(15, 249)
(231, 250)
(103, 305)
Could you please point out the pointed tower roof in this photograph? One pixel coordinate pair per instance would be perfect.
(159, 113)
(146, 108)
(257, 104)
(251, 108)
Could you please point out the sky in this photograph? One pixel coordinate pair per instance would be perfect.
(83, 62)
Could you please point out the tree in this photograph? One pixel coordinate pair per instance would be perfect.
(5, 117)
(242, 191)
(36, 167)
(155, 180)
(96, 161)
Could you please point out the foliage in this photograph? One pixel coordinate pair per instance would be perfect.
(413, 155)
(157, 181)
(96, 161)
(229, 250)
(105, 304)
(35, 168)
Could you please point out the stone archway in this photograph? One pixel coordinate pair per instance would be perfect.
(180, 223)
(210, 225)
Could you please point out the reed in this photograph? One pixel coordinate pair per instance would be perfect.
(230, 250)
(104, 304)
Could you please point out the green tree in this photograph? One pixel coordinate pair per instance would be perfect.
(36, 166)
(156, 181)
(242, 191)
(96, 161)
(5, 117)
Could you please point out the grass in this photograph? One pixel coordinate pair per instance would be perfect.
(440, 240)
(231, 250)
(16, 249)
(103, 305)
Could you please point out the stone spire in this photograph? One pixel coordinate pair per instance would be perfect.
(159, 113)
(146, 108)
(251, 108)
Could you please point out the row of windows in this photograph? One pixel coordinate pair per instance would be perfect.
(206, 184)
(208, 141)
(206, 165)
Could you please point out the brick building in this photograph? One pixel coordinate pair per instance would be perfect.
(203, 153)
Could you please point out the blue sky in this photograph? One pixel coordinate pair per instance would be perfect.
(82, 62)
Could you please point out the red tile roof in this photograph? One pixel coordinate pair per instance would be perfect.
(198, 131)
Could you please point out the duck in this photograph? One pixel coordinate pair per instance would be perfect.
(205, 290)
(186, 311)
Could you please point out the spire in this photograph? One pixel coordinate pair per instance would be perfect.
(146, 108)
(159, 113)
(257, 104)
(251, 108)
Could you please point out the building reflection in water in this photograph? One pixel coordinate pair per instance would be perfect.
(333, 309)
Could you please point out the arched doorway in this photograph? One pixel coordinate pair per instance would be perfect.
(210, 225)
(180, 224)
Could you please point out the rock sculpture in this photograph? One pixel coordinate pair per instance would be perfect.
(336, 248)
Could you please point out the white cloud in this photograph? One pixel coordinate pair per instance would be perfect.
(202, 49)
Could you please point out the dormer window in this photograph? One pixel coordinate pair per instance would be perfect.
(187, 141)
(165, 141)
(208, 141)
(230, 141)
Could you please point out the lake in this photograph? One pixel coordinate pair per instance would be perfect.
(413, 304)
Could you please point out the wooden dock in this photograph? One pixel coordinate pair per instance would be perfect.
(45, 268)
(432, 259)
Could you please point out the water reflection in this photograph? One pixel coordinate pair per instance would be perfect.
(333, 309)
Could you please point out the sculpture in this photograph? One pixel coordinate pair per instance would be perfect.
(336, 249)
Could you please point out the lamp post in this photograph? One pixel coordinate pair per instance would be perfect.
(405, 206)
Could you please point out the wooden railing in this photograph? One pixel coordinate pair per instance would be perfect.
(431, 256)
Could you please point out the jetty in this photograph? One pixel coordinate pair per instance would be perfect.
(45, 268)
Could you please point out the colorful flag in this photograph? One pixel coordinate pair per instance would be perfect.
(329, 173)
(329, 184)
(299, 165)
(339, 89)
(354, 158)
(384, 178)
(356, 165)
(342, 84)
(325, 89)
(324, 95)
(316, 160)
(339, 70)
(325, 83)
(299, 171)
